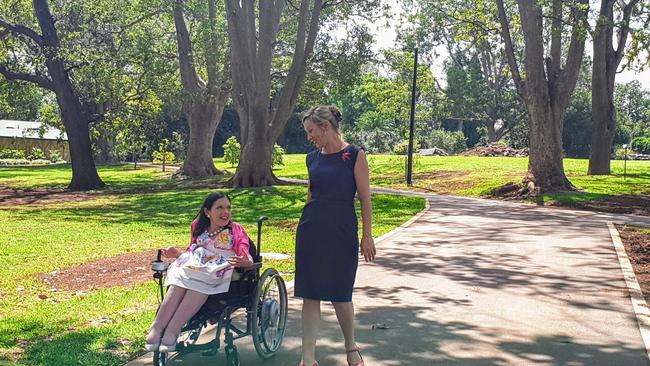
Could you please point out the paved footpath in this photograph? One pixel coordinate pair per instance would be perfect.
(479, 282)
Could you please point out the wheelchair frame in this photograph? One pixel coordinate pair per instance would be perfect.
(265, 301)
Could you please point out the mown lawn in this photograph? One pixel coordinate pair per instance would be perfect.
(477, 176)
(141, 210)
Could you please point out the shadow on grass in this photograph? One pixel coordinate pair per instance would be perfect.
(179, 207)
(90, 346)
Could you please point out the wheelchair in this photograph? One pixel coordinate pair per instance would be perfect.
(263, 297)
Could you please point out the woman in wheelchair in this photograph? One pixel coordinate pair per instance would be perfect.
(217, 245)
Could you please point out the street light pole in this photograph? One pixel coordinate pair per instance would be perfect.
(625, 163)
(409, 168)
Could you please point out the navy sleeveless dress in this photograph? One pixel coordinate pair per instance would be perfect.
(327, 242)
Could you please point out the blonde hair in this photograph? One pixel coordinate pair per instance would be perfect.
(322, 114)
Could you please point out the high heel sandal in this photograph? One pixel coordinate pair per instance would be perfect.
(152, 346)
(357, 350)
(167, 347)
(303, 364)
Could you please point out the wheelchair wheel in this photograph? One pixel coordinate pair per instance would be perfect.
(232, 356)
(159, 358)
(270, 313)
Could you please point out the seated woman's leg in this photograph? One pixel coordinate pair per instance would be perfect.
(165, 313)
(191, 303)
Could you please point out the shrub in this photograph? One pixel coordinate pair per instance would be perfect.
(278, 155)
(6, 162)
(451, 142)
(12, 154)
(36, 154)
(403, 147)
(55, 156)
(641, 145)
(231, 151)
(157, 157)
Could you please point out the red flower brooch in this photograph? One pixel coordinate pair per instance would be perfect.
(346, 156)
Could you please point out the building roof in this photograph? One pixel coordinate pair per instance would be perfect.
(30, 130)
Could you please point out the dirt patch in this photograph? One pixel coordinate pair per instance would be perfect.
(623, 204)
(123, 270)
(11, 196)
(637, 246)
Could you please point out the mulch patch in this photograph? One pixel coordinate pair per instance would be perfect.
(637, 246)
(122, 270)
(11, 196)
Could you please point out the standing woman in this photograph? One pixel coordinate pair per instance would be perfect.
(327, 243)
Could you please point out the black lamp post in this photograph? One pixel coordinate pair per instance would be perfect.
(409, 167)
(625, 162)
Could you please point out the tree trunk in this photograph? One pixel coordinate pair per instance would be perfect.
(491, 131)
(604, 122)
(606, 61)
(253, 36)
(204, 103)
(255, 161)
(73, 112)
(546, 86)
(203, 117)
(545, 165)
(84, 172)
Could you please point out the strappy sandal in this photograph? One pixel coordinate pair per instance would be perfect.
(303, 364)
(357, 350)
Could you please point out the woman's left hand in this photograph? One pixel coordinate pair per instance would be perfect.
(368, 248)
(240, 261)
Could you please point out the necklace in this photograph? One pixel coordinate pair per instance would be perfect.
(214, 233)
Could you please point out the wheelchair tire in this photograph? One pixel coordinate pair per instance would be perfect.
(159, 358)
(232, 356)
(269, 313)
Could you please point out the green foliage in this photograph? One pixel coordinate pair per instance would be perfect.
(9, 162)
(451, 141)
(55, 156)
(162, 156)
(231, 151)
(36, 154)
(12, 154)
(402, 147)
(576, 135)
(278, 155)
(157, 157)
(641, 145)
(632, 103)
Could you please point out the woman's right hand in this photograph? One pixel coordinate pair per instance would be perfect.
(171, 252)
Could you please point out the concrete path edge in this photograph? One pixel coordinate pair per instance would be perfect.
(639, 304)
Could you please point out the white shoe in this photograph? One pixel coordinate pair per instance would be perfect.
(165, 348)
(150, 347)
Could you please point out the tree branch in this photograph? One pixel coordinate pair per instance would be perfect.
(189, 77)
(41, 81)
(625, 30)
(510, 50)
(21, 29)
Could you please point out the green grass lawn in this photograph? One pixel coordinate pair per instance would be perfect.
(477, 176)
(142, 210)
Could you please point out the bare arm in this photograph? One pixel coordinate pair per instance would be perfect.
(362, 178)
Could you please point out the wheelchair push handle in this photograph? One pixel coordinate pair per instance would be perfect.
(158, 265)
(260, 221)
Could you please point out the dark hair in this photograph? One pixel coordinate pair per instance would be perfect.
(323, 114)
(203, 222)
